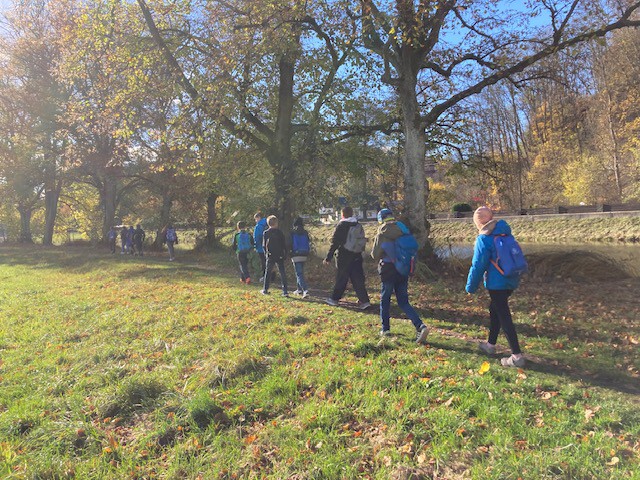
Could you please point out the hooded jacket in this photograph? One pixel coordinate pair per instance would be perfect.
(387, 234)
(481, 266)
(298, 230)
(258, 232)
(345, 257)
(274, 244)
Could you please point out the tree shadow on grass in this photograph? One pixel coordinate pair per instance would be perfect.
(611, 379)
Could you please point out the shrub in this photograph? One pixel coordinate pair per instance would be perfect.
(462, 207)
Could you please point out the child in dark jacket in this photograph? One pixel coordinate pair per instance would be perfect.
(275, 249)
(349, 242)
(242, 245)
(300, 246)
(500, 287)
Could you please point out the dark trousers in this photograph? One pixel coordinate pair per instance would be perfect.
(399, 285)
(351, 271)
(272, 262)
(263, 261)
(243, 261)
(501, 319)
(139, 248)
(112, 245)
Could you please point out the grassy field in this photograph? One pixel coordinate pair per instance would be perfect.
(116, 368)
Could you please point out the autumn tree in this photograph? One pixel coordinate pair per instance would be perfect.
(32, 45)
(271, 74)
(106, 69)
(438, 53)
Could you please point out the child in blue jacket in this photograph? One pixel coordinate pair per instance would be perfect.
(258, 232)
(242, 245)
(499, 286)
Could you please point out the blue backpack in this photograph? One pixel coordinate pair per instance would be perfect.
(509, 260)
(300, 244)
(406, 254)
(243, 242)
(406, 248)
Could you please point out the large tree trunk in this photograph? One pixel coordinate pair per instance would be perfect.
(165, 217)
(25, 224)
(211, 217)
(415, 180)
(109, 200)
(51, 198)
(279, 155)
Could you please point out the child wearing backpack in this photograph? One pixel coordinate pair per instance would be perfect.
(242, 245)
(300, 248)
(486, 264)
(275, 249)
(170, 238)
(394, 248)
(112, 236)
(349, 241)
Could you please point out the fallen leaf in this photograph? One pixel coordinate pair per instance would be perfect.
(613, 461)
(484, 368)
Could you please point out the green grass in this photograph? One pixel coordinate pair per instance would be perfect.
(116, 368)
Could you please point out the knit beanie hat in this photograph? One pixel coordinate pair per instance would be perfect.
(385, 215)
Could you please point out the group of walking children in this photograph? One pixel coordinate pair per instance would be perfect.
(273, 249)
(497, 259)
(131, 240)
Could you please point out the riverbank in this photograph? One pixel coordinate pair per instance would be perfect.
(556, 229)
(549, 229)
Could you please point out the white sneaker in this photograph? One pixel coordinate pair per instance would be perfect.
(364, 305)
(298, 292)
(421, 338)
(331, 301)
(305, 294)
(513, 361)
(487, 348)
(385, 333)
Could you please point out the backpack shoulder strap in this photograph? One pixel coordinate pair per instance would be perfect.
(495, 262)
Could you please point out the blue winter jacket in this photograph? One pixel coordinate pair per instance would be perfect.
(258, 232)
(481, 266)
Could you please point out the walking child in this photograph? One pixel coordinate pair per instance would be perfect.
(349, 242)
(130, 235)
(300, 247)
(112, 236)
(394, 276)
(138, 240)
(171, 238)
(500, 286)
(124, 233)
(258, 232)
(275, 250)
(242, 245)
